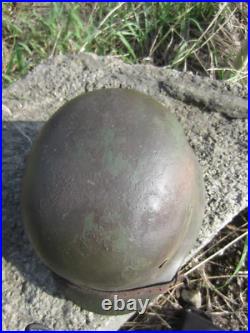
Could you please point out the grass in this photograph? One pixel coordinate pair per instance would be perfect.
(206, 38)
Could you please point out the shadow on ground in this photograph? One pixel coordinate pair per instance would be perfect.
(17, 140)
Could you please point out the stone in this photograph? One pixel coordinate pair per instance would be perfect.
(217, 133)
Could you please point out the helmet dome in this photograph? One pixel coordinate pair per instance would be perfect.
(113, 195)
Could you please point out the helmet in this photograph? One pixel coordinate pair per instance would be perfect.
(113, 196)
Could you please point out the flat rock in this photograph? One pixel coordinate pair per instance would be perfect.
(213, 115)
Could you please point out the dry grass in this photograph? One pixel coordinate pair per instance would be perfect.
(218, 277)
(206, 38)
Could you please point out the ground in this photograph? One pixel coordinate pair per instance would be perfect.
(217, 288)
(208, 39)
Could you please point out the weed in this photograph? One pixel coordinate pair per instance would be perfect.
(206, 38)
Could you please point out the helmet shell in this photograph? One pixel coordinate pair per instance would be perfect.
(113, 196)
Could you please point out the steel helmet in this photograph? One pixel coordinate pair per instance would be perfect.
(113, 196)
